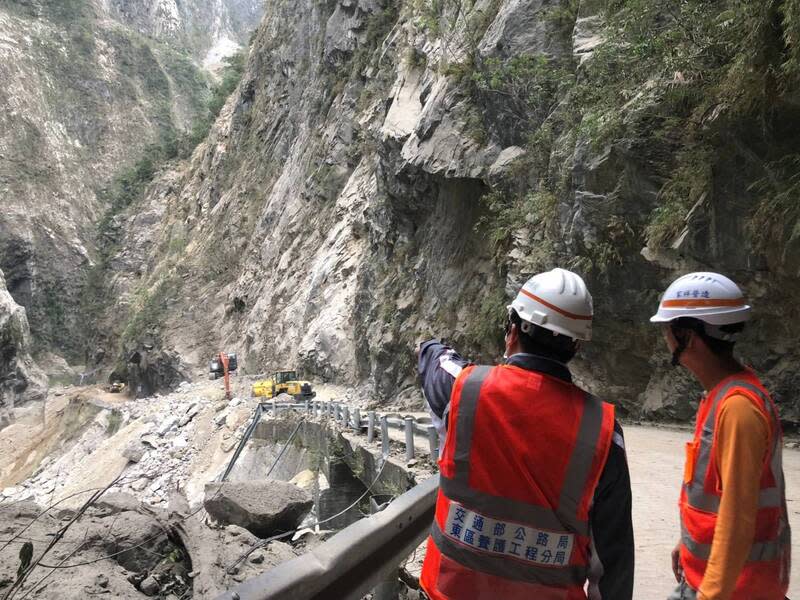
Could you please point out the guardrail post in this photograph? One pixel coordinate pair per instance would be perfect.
(409, 438)
(385, 436)
(346, 417)
(433, 442)
(357, 420)
(274, 409)
(370, 426)
(389, 589)
(308, 406)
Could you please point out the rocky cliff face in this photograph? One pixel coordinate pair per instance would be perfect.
(387, 171)
(210, 30)
(84, 97)
(20, 379)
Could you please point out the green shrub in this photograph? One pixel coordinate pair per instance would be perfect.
(114, 422)
(691, 180)
(150, 309)
(776, 214)
(231, 76)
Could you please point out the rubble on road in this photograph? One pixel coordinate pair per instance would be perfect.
(177, 441)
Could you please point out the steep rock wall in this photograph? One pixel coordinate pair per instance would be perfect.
(84, 97)
(20, 379)
(351, 199)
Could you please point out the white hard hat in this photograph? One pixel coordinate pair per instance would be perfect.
(708, 297)
(557, 300)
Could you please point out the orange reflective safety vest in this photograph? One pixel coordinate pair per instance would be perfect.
(765, 575)
(523, 456)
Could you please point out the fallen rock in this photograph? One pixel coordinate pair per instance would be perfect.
(304, 479)
(149, 586)
(177, 504)
(140, 484)
(150, 440)
(134, 451)
(116, 502)
(96, 536)
(262, 507)
(191, 412)
(169, 424)
(214, 550)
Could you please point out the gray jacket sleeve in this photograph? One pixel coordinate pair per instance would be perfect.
(439, 365)
(612, 526)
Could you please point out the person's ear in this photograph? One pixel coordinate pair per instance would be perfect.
(691, 338)
(513, 335)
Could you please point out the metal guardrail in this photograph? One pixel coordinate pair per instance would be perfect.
(342, 415)
(350, 418)
(353, 561)
(245, 438)
(365, 554)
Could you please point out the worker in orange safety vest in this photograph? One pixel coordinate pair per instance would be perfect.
(534, 495)
(735, 537)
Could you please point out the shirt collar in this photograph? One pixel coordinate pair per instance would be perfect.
(533, 362)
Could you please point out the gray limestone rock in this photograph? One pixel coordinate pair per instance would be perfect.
(214, 550)
(21, 380)
(168, 425)
(112, 503)
(134, 451)
(97, 535)
(149, 586)
(261, 507)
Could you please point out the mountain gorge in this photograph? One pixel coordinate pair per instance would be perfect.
(84, 97)
(389, 171)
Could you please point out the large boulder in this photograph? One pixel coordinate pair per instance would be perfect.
(21, 380)
(262, 507)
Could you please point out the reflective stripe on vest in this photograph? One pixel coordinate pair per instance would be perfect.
(562, 523)
(772, 497)
(578, 470)
(696, 495)
(759, 551)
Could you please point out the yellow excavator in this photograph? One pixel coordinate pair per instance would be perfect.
(283, 382)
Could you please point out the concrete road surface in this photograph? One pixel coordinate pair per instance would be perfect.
(656, 463)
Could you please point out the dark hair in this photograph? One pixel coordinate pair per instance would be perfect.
(543, 342)
(721, 348)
